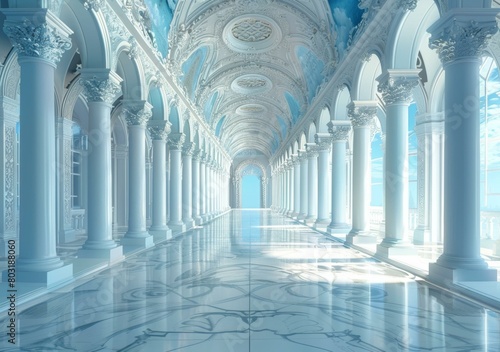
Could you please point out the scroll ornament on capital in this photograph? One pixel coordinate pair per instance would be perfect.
(188, 149)
(398, 90)
(159, 130)
(175, 141)
(37, 40)
(323, 142)
(462, 39)
(361, 116)
(339, 133)
(100, 89)
(138, 114)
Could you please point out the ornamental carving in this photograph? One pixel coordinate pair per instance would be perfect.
(137, 114)
(10, 181)
(176, 140)
(398, 90)
(37, 40)
(361, 115)
(158, 130)
(339, 133)
(251, 30)
(95, 5)
(98, 89)
(188, 149)
(323, 142)
(462, 39)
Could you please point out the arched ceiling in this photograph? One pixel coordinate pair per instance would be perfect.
(254, 64)
(252, 67)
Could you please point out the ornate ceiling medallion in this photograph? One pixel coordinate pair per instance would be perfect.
(251, 84)
(251, 109)
(252, 33)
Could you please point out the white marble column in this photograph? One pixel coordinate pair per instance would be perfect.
(396, 87)
(203, 183)
(175, 142)
(9, 110)
(159, 130)
(137, 114)
(296, 185)
(460, 38)
(324, 143)
(284, 189)
(187, 185)
(196, 185)
(312, 192)
(40, 45)
(304, 173)
(361, 114)
(430, 134)
(339, 130)
(101, 88)
(290, 187)
(208, 188)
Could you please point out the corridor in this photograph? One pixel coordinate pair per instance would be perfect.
(253, 280)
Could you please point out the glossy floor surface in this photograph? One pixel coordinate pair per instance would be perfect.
(253, 280)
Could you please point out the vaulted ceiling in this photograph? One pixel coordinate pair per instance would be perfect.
(252, 67)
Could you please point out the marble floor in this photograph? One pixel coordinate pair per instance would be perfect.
(253, 280)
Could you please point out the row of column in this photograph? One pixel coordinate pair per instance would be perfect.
(198, 186)
(461, 259)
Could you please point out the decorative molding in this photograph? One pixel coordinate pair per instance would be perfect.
(339, 130)
(461, 34)
(188, 149)
(176, 140)
(323, 141)
(396, 86)
(104, 87)
(10, 181)
(361, 113)
(159, 129)
(95, 5)
(137, 113)
(34, 39)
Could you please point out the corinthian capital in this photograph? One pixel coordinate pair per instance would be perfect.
(159, 129)
(396, 86)
(362, 112)
(339, 130)
(101, 85)
(176, 140)
(137, 112)
(323, 141)
(188, 149)
(463, 33)
(37, 33)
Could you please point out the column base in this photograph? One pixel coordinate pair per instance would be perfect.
(109, 254)
(440, 274)
(45, 278)
(177, 229)
(301, 216)
(198, 220)
(141, 239)
(338, 229)
(189, 223)
(421, 235)
(321, 223)
(295, 214)
(160, 234)
(360, 237)
(388, 250)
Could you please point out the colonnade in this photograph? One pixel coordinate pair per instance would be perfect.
(197, 187)
(461, 259)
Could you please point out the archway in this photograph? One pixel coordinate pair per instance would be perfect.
(249, 182)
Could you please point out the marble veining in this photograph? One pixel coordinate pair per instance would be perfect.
(254, 281)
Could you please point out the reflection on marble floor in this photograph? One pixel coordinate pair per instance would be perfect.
(254, 281)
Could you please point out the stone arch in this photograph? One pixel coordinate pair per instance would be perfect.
(238, 175)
